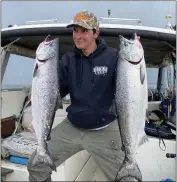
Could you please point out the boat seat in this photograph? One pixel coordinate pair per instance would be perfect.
(22, 144)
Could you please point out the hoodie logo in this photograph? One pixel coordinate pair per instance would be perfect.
(100, 70)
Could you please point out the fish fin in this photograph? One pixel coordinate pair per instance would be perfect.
(143, 140)
(59, 105)
(49, 135)
(43, 159)
(49, 138)
(128, 179)
(28, 103)
(123, 148)
(35, 70)
(147, 116)
(142, 74)
(128, 170)
(59, 102)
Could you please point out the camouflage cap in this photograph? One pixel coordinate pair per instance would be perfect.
(85, 19)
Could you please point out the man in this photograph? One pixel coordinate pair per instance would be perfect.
(88, 74)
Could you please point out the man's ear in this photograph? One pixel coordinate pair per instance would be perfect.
(96, 34)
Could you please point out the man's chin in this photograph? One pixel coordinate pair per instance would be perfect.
(80, 46)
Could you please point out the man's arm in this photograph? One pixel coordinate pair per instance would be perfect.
(63, 75)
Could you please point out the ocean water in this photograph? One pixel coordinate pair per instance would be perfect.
(19, 71)
(152, 75)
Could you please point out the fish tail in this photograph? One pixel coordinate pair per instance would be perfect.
(129, 171)
(43, 158)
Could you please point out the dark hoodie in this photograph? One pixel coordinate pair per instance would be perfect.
(90, 82)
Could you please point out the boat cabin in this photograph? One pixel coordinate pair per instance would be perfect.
(18, 47)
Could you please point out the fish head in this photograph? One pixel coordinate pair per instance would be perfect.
(131, 50)
(46, 50)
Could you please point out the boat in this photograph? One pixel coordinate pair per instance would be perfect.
(22, 40)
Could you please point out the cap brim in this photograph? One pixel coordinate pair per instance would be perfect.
(70, 25)
(79, 24)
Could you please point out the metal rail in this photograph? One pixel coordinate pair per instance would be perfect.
(120, 19)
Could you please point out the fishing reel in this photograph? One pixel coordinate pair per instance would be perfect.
(169, 155)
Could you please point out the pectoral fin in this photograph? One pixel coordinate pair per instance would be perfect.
(147, 116)
(142, 74)
(35, 70)
(59, 102)
(143, 140)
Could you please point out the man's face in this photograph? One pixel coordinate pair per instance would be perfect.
(83, 38)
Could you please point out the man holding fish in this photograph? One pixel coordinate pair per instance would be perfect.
(90, 74)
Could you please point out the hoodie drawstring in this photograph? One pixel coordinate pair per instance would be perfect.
(92, 71)
(81, 71)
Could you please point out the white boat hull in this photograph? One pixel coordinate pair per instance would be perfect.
(81, 167)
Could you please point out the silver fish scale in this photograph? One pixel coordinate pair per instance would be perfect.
(131, 103)
(130, 100)
(44, 96)
(131, 94)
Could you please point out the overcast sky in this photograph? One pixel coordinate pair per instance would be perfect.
(152, 13)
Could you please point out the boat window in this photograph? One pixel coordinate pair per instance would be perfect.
(152, 77)
(18, 73)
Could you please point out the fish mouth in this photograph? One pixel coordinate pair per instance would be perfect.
(42, 60)
(41, 54)
(48, 40)
(134, 62)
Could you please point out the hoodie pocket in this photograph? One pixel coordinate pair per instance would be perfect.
(100, 80)
(90, 118)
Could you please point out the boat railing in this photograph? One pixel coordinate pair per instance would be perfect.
(101, 19)
(109, 19)
(42, 22)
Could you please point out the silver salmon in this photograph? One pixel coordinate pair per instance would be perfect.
(45, 97)
(131, 101)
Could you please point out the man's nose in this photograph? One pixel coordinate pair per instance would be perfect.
(78, 34)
